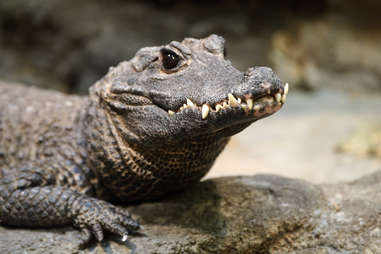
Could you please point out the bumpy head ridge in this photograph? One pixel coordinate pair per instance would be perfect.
(187, 89)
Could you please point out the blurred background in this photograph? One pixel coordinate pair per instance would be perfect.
(329, 51)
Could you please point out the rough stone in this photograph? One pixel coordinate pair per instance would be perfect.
(248, 214)
(364, 142)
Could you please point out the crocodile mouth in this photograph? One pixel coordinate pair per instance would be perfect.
(250, 106)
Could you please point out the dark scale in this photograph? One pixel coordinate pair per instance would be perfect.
(64, 159)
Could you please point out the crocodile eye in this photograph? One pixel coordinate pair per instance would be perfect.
(169, 58)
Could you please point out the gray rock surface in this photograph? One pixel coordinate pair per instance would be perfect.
(258, 214)
(365, 141)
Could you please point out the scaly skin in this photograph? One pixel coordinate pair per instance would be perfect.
(64, 158)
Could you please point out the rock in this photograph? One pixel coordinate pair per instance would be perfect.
(364, 142)
(258, 214)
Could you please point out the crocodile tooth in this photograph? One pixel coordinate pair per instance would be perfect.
(218, 107)
(284, 97)
(278, 97)
(232, 101)
(124, 238)
(239, 100)
(190, 103)
(225, 104)
(268, 91)
(249, 103)
(285, 88)
(185, 106)
(205, 111)
(257, 107)
(170, 112)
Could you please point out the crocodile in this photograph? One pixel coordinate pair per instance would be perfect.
(152, 125)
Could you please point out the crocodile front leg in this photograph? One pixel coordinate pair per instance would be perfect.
(30, 198)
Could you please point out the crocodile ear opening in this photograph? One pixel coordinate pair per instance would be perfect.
(144, 57)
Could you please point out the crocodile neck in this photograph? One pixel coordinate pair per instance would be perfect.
(134, 172)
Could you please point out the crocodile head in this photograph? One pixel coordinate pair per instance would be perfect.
(187, 89)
